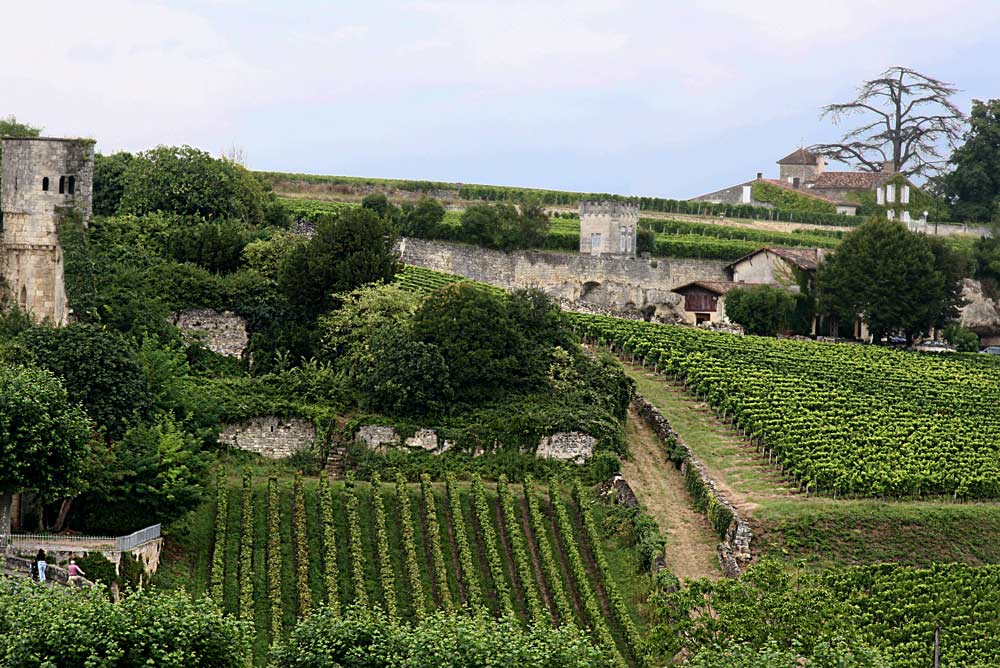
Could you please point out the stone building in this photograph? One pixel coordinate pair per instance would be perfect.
(44, 180)
(608, 228)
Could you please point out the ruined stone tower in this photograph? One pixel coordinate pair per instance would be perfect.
(608, 228)
(43, 181)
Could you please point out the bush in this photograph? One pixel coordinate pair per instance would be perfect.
(441, 640)
(44, 626)
(761, 309)
(965, 340)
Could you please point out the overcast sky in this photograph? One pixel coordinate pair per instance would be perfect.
(659, 98)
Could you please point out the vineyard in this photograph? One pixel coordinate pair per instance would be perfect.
(425, 281)
(837, 419)
(537, 553)
(894, 610)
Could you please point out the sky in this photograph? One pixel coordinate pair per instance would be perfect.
(659, 98)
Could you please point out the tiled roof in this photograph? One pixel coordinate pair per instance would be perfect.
(806, 259)
(718, 287)
(799, 157)
(802, 190)
(855, 180)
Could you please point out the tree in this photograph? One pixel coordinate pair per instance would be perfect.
(505, 227)
(973, 186)
(483, 348)
(363, 312)
(43, 436)
(888, 276)
(100, 370)
(349, 250)
(441, 640)
(186, 181)
(761, 309)
(422, 220)
(109, 181)
(906, 116)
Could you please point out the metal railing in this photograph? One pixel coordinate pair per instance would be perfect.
(107, 543)
(137, 538)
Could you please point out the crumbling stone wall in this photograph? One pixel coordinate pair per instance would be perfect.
(270, 436)
(224, 333)
(618, 283)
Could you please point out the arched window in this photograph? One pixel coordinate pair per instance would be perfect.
(45, 184)
(72, 185)
(62, 185)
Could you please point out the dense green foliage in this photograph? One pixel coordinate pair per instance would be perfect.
(41, 627)
(189, 182)
(109, 182)
(100, 369)
(761, 309)
(440, 641)
(973, 185)
(789, 200)
(43, 436)
(891, 277)
(840, 419)
(505, 226)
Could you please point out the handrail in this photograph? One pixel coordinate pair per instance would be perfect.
(113, 543)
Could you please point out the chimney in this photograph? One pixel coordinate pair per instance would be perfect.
(888, 167)
(760, 176)
(820, 165)
(795, 182)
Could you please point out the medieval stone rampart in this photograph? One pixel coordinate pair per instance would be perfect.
(616, 282)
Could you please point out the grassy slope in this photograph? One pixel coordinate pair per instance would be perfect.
(822, 531)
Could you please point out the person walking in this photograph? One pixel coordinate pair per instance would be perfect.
(74, 572)
(40, 564)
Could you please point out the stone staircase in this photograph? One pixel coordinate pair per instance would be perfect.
(336, 462)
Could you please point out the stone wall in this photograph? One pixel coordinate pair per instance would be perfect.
(224, 333)
(616, 282)
(567, 446)
(734, 551)
(270, 436)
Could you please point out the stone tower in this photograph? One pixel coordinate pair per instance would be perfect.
(608, 228)
(44, 180)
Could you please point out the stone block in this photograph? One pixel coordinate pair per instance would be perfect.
(425, 439)
(376, 437)
(569, 446)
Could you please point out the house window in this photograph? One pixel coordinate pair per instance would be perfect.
(880, 196)
(45, 184)
(906, 194)
(890, 193)
(62, 185)
(72, 185)
(891, 214)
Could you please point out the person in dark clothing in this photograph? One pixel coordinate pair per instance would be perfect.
(40, 564)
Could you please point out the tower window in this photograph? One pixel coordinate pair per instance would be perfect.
(72, 185)
(62, 185)
(45, 184)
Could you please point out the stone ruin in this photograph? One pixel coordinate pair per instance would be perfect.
(270, 436)
(224, 333)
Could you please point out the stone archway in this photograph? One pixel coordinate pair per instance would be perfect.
(593, 292)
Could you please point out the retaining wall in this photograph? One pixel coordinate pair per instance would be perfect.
(734, 550)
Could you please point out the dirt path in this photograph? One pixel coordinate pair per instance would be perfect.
(536, 562)
(691, 544)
